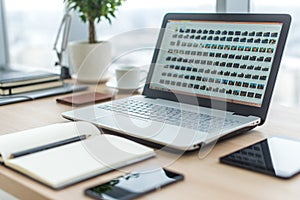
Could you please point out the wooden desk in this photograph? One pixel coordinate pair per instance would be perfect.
(205, 178)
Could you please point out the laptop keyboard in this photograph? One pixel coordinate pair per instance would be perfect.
(169, 115)
(251, 156)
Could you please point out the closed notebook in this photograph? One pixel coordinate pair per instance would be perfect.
(67, 164)
(16, 78)
(31, 87)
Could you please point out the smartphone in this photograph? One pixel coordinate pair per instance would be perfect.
(134, 184)
(275, 156)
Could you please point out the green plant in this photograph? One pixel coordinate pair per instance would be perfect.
(93, 11)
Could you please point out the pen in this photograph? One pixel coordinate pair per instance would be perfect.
(48, 146)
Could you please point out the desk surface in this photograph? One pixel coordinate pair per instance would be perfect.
(205, 177)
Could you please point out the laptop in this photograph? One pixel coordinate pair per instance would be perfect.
(212, 76)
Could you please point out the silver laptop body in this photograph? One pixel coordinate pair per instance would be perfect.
(212, 75)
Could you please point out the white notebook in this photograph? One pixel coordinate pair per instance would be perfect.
(67, 164)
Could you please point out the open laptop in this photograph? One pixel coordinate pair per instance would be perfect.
(212, 75)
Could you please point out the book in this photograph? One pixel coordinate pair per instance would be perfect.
(30, 87)
(67, 164)
(19, 78)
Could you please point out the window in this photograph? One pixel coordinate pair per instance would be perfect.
(33, 24)
(32, 27)
(139, 21)
(288, 84)
(135, 14)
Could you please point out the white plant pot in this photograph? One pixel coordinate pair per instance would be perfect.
(90, 61)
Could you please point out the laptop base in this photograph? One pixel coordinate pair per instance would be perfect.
(170, 149)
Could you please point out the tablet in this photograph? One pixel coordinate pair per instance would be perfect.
(276, 156)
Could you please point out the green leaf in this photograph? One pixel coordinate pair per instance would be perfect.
(94, 10)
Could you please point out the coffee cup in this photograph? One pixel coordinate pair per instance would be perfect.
(129, 77)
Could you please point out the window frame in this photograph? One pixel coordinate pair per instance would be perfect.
(232, 6)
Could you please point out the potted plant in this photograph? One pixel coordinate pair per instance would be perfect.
(91, 58)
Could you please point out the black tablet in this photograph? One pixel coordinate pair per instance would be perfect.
(276, 156)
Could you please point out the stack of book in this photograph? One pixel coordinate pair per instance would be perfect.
(38, 80)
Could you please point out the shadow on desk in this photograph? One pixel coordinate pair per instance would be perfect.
(176, 151)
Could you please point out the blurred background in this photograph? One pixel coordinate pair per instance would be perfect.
(33, 25)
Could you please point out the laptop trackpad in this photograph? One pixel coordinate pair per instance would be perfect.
(131, 124)
(150, 130)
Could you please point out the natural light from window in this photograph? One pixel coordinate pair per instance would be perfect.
(33, 24)
(288, 85)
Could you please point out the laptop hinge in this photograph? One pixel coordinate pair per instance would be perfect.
(241, 114)
(150, 98)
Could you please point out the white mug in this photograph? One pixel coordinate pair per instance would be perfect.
(129, 77)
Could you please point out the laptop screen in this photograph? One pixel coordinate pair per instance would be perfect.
(223, 60)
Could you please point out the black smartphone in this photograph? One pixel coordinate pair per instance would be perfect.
(275, 156)
(134, 184)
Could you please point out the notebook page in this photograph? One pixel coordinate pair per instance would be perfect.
(77, 161)
(11, 143)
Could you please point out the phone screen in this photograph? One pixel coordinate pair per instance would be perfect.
(134, 184)
(274, 156)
